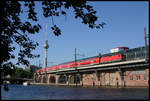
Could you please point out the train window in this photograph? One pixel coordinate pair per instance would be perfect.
(131, 77)
(145, 78)
(138, 77)
(127, 51)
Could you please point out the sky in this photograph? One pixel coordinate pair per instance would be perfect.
(125, 22)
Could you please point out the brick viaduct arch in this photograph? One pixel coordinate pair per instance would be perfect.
(75, 78)
(99, 78)
(62, 79)
(104, 78)
(52, 79)
(44, 79)
(39, 80)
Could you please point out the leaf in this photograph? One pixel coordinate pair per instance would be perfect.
(63, 12)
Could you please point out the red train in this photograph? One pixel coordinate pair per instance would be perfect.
(88, 61)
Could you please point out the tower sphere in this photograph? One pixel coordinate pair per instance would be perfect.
(46, 46)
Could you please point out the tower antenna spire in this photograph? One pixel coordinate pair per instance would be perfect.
(46, 33)
(46, 46)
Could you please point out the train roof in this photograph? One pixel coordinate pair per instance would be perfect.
(79, 60)
(103, 55)
(122, 47)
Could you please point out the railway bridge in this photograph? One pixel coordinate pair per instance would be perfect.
(132, 72)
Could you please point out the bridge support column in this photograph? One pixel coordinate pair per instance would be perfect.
(56, 77)
(78, 79)
(94, 78)
(122, 75)
(35, 78)
(76, 76)
(48, 79)
(67, 79)
(81, 79)
(98, 75)
(41, 79)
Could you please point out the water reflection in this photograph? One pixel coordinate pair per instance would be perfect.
(38, 92)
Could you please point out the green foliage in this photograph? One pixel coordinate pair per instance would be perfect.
(7, 71)
(20, 73)
(11, 25)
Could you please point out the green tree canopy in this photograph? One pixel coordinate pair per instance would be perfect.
(14, 30)
(20, 73)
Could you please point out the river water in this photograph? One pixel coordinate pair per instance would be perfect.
(45, 92)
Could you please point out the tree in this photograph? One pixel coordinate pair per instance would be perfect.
(14, 30)
(20, 73)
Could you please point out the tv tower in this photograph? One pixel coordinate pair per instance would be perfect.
(46, 46)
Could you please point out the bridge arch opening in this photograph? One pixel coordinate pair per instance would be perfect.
(74, 79)
(44, 80)
(52, 79)
(39, 80)
(36, 78)
(62, 79)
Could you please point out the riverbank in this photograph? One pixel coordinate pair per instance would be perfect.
(88, 86)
